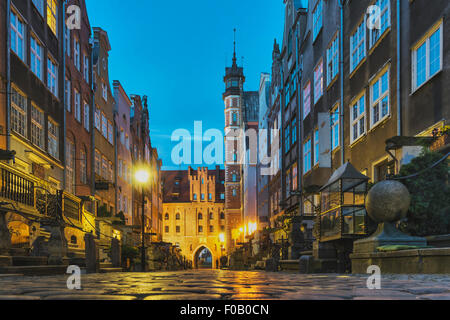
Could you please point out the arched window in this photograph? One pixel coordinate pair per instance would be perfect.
(211, 216)
(177, 216)
(73, 240)
(166, 217)
(222, 216)
(234, 177)
(200, 216)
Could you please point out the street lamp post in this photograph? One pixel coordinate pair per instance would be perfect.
(142, 176)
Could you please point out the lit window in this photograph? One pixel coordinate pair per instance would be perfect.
(307, 100)
(307, 156)
(316, 147)
(358, 117)
(318, 81)
(379, 101)
(53, 139)
(86, 116)
(317, 19)
(19, 113)
(358, 46)
(77, 106)
(37, 127)
(427, 57)
(335, 128)
(83, 167)
(385, 21)
(333, 60)
(17, 36)
(36, 58)
(52, 15)
(52, 71)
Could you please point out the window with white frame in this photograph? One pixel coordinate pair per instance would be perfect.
(17, 36)
(333, 60)
(316, 147)
(67, 94)
(86, 116)
(427, 56)
(52, 79)
(307, 100)
(36, 62)
(76, 55)
(98, 161)
(104, 126)
(39, 4)
(52, 15)
(19, 113)
(53, 139)
(83, 167)
(110, 133)
(307, 156)
(384, 21)
(318, 81)
(97, 119)
(358, 118)
(335, 123)
(317, 19)
(86, 68)
(358, 45)
(37, 127)
(70, 166)
(104, 91)
(67, 41)
(77, 105)
(379, 99)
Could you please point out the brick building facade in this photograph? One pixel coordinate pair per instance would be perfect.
(193, 211)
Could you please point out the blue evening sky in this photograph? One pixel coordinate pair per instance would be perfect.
(175, 52)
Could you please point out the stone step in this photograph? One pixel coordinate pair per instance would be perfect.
(29, 261)
(110, 270)
(289, 265)
(105, 265)
(34, 270)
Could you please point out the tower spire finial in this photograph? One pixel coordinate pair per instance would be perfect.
(234, 47)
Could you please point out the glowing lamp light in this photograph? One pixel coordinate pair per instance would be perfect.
(142, 176)
(252, 226)
(222, 237)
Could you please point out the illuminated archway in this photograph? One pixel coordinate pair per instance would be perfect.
(203, 258)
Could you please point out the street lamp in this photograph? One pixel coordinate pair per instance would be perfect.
(142, 176)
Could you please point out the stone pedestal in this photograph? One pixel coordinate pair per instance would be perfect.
(5, 236)
(386, 234)
(92, 254)
(116, 253)
(57, 247)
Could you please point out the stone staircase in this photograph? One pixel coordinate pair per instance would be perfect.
(28, 265)
(107, 267)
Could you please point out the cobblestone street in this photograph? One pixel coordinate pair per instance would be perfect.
(224, 285)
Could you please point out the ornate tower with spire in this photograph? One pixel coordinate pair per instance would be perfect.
(234, 119)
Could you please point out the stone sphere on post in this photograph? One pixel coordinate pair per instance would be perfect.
(388, 201)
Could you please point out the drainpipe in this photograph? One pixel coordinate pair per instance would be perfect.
(8, 75)
(92, 120)
(399, 97)
(341, 76)
(283, 185)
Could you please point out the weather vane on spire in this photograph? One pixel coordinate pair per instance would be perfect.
(234, 47)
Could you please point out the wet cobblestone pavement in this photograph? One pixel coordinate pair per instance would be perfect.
(224, 285)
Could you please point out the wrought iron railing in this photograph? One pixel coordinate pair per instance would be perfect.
(16, 188)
